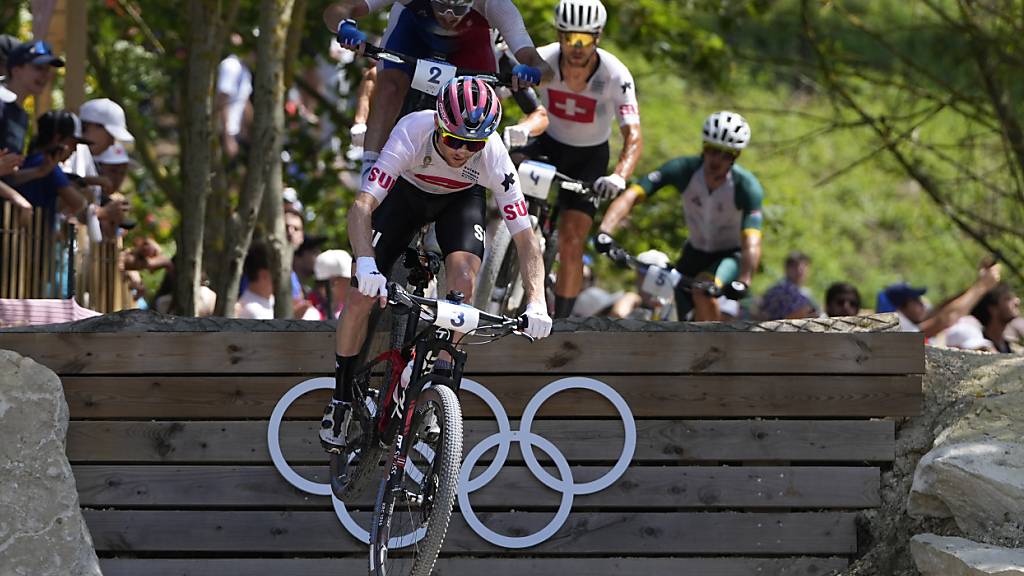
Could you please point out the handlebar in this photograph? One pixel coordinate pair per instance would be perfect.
(493, 78)
(605, 244)
(454, 314)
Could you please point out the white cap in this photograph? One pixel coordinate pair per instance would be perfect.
(653, 258)
(331, 264)
(593, 300)
(110, 115)
(5, 94)
(115, 154)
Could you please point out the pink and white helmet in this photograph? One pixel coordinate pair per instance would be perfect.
(467, 107)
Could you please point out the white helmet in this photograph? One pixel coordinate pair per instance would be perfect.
(580, 16)
(727, 129)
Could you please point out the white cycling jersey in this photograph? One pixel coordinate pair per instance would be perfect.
(584, 118)
(411, 153)
(500, 14)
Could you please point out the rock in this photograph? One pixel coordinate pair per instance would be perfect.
(980, 484)
(42, 532)
(951, 556)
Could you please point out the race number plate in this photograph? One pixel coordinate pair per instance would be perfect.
(460, 318)
(535, 178)
(431, 75)
(660, 283)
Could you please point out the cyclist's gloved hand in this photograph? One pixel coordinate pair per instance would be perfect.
(608, 187)
(358, 133)
(538, 323)
(603, 243)
(369, 280)
(735, 290)
(515, 136)
(527, 75)
(349, 34)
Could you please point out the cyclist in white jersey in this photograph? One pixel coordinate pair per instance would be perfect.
(435, 167)
(590, 87)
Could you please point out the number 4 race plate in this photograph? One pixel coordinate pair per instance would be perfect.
(431, 75)
(535, 178)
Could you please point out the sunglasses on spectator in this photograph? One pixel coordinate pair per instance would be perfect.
(722, 150)
(454, 142)
(578, 39)
(457, 10)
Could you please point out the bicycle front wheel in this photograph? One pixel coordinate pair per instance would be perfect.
(413, 509)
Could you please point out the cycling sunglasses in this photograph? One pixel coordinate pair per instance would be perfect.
(727, 151)
(578, 39)
(457, 10)
(454, 142)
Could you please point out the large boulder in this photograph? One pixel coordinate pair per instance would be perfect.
(42, 532)
(951, 556)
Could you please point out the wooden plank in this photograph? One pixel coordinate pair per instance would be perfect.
(654, 396)
(608, 534)
(575, 353)
(462, 566)
(579, 440)
(515, 487)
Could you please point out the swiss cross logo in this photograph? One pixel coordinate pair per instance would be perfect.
(572, 107)
(628, 110)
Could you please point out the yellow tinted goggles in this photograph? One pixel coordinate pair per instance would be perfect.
(578, 39)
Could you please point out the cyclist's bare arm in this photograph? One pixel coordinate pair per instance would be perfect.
(338, 11)
(750, 255)
(360, 229)
(632, 146)
(536, 122)
(620, 208)
(365, 93)
(531, 264)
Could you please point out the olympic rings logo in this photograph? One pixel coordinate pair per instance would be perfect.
(503, 439)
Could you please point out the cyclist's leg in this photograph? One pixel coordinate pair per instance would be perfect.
(725, 268)
(690, 264)
(577, 218)
(460, 233)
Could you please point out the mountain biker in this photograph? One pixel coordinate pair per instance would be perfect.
(590, 87)
(535, 116)
(722, 207)
(457, 31)
(435, 167)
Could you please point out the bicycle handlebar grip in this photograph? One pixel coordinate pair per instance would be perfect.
(603, 243)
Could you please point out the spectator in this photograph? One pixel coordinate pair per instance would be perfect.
(294, 225)
(40, 180)
(29, 70)
(333, 270)
(914, 315)
(842, 299)
(257, 302)
(112, 166)
(595, 301)
(641, 305)
(234, 86)
(1015, 333)
(103, 124)
(303, 268)
(789, 298)
(996, 309)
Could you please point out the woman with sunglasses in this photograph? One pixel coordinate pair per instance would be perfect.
(457, 31)
(435, 168)
(722, 207)
(591, 88)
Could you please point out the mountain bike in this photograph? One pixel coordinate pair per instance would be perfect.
(417, 424)
(661, 283)
(499, 285)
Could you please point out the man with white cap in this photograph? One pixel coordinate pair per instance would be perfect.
(641, 305)
(333, 271)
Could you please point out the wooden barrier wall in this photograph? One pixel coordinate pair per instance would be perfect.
(754, 451)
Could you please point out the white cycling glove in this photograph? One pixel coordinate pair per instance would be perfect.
(610, 186)
(538, 323)
(371, 281)
(515, 136)
(358, 134)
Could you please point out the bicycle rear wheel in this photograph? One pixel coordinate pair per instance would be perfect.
(413, 509)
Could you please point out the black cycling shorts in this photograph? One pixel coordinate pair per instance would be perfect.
(458, 217)
(586, 163)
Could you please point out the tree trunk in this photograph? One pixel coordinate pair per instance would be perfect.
(264, 169)
(205, 36)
